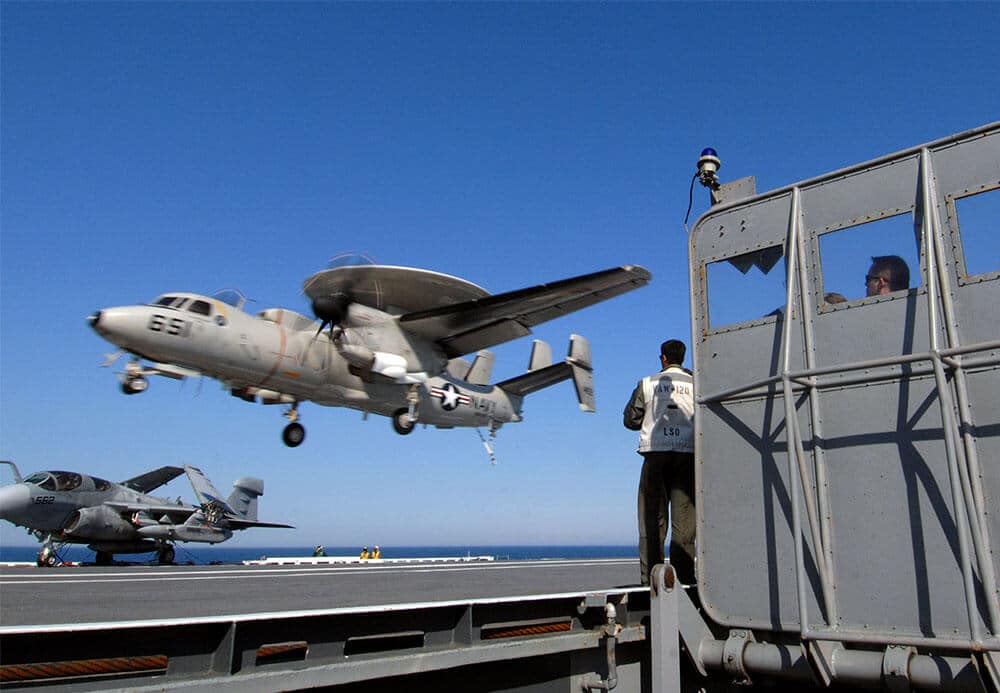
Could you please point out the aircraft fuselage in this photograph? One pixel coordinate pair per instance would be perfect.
(281, 357)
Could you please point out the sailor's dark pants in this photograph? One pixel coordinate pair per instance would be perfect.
(667, 478)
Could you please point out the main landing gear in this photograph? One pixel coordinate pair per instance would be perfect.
(165, 555)
(402, 423)
(405, 420)
(294, 432)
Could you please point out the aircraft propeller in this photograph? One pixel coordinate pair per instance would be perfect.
(331, 309)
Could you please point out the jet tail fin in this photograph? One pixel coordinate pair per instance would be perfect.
(481, 369)
(542, 373)
(243, 499)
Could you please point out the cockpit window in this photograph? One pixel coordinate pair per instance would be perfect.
(171, 301)
(200, 307)
(43, 479)
(67, 481)
(101, 484)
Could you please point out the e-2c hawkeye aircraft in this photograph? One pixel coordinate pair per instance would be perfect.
(71, 508)
(394, 344)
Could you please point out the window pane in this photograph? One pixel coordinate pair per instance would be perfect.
(200, 307)
(846, 255)
(978, 217)
(747, 287)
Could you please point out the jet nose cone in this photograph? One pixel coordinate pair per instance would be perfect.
(94, 319)
(14, 500)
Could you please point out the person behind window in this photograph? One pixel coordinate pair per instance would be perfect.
(888, 273)
(662, 410)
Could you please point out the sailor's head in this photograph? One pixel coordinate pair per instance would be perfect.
(888, 273)
(672, 352)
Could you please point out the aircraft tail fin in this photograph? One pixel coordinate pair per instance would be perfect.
(476, 373)
(481, 369)
(542, 373)
(243, 499)
(541, 356)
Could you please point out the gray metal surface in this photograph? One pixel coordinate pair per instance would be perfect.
(77, 596)
(495, 629)
(847, 452)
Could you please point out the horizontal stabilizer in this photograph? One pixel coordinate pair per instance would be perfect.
(533, 381)
(235, 523)
(576, 366)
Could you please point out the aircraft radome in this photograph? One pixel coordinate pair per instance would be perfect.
(72, 508)
(394, 344)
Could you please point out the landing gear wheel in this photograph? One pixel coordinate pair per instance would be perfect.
(293, 435)
(165, 556)
(133, 386)
(103, 558)
(46, 558)
(401, 422)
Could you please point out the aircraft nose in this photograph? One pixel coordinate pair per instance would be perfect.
(94, 318)
(13, 501)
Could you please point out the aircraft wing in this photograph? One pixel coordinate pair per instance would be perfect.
(465, 327)
(177, 513)
(204, 490)
(144, 483)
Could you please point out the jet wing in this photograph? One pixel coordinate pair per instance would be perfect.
(144, 483)
(462, 328)
(177, 513)
(204, 490)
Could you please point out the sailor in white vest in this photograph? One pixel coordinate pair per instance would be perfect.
(662, 410)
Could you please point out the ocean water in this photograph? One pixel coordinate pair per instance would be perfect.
(207, 555)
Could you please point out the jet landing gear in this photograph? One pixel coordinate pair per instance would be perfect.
(405, 420)
(402, 423)
(294, 432)
(165, 555)
(133, 381)
(47, 557)
(133, 386)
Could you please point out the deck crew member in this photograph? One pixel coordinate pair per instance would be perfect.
(662, 410)
(888, 273)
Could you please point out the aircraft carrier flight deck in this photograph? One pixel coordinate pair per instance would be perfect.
(131, 593)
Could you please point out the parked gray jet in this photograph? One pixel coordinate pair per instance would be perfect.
(393, 347)
(70, 508)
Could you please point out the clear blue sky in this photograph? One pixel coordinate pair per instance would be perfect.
(193, 146)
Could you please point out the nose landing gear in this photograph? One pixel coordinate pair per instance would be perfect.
(133, 380)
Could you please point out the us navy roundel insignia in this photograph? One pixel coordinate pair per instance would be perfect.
(450, 396)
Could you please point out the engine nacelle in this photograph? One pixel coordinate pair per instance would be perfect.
(98, 523)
